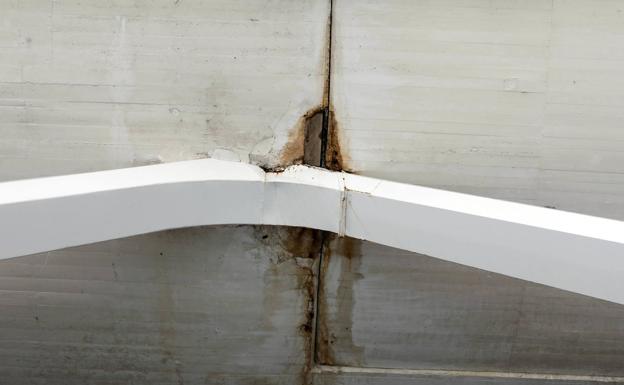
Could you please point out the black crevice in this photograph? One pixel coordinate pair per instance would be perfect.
(327, 93)
(326, 103)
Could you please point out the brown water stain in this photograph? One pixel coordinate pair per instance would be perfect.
(305, 246)
(335, 153)
(335, 323)
(300, 249)
(305, 141)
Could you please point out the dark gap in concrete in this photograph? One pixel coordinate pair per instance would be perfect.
(327, 94)
(324, 136)
(317, 141)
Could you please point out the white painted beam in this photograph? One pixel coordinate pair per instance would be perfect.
(569, 251)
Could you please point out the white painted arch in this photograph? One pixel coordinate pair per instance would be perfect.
(574, 252)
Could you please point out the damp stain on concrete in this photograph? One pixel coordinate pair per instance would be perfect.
(298, 254)
(316, 141)
(336, 301)
(335, 152)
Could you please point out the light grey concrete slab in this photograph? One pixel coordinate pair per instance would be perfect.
(202, 305)
(98, 85)
(519, 100)
(384, 308)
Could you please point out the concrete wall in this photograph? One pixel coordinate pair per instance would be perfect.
(513, 99)
(195, 306)
(518, 100)
(386, 308)
(92, 85)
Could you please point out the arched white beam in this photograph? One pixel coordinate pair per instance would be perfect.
(569, 251)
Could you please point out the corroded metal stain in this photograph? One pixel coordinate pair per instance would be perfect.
(300, 248)
(335, 155)
(306, 143)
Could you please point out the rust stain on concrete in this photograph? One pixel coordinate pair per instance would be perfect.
(335, 154)
(335, 323)
(300, 249)
(305, 246)
(294, 151)
(305, 141)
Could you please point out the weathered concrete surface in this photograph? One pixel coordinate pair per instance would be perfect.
(519, 100)
(384, 308)
(205, 305)
(91, 85)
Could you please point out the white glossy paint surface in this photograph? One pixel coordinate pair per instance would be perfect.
(569, 251)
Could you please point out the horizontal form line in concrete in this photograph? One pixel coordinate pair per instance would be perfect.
(461, 373)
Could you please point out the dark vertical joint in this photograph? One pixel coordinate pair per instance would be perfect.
(317, 152)
(319, 124)
(325, 144)
(324, 135)
(325, 131)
